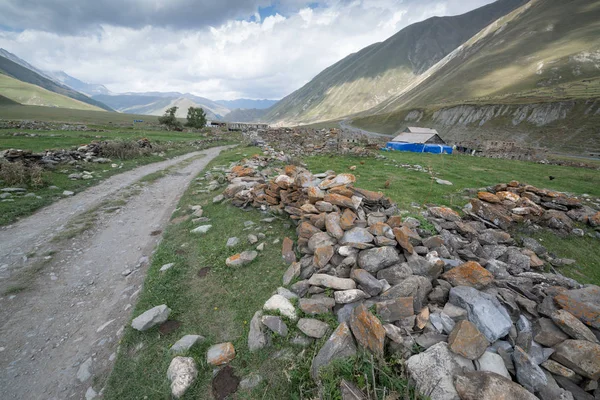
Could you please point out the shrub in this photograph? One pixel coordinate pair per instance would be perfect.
(196, 118)
(169, 119)
(18, 173)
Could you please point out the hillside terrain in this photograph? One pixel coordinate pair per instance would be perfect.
(88, 89)
(364, 79)
(247, 104)
(28, 76)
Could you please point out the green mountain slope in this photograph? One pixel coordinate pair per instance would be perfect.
(28, 94)
(368, 77)
(16, 71)
(547, 50)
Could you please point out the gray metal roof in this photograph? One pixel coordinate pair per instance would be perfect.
(414, 129)
(407, 137)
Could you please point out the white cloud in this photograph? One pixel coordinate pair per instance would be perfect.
(255, 58)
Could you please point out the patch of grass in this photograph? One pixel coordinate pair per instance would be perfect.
(14, 289)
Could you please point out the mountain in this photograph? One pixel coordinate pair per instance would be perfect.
(26, 75)
(247, 104)
(533, 76)
(89, 89)
(155, 103)
(245, 115)
(17, 91)
(12, 57)
(366, 78)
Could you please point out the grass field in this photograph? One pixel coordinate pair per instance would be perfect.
(220, 305)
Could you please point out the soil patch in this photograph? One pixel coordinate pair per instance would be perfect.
(225, 383)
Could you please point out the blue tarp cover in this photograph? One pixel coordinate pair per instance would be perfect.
(420, 148)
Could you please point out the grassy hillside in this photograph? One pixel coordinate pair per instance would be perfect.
(26, 93)
(16, 71)
(544, 51)
(364, 79)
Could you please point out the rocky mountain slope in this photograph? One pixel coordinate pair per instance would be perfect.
(247, 104)
(368, 77)
(89, 89)
(22, 73)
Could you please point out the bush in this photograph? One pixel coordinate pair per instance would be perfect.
(169, 119)
(128, 149)
(196, 118)
(18, 173)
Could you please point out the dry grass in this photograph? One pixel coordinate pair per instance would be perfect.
(18, 173)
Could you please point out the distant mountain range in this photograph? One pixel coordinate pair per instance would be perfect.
(89, 89)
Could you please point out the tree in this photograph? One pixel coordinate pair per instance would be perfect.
(196, 118)
(169, 119)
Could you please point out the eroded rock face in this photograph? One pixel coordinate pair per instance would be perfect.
(182, 373)
(339, 345)
(433, 372)
(484, 385)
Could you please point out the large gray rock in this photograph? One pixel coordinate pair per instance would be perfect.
(368, 282)
(546, 333)
(528, 373)
(275, 324)
(186, 343)
(321, 239)
(395, 274)
(154, 316)
(182, 373)
(313, 327)
(484, 385)
(433, 372)
(378, 258)
(332, 282)
(417, 287)
(484, 310)
(258, 337)
(356, 235)
(339, 345)
(492, 362)
(581, 356)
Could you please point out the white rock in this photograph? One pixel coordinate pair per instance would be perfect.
(349, 296)
(201, 229)
(492, 362)
(83, 374)
(90, 394)
(279, 303)
(166, 267)
(443, 182)
(68, 193)
(154, 316)
(182, 373)
(250, 382)
(185, 343)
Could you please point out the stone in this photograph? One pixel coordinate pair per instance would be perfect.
(581, 356)
(332, 282)
(279, 303)
(349, 296)
(403, 239)
(469, 274)
(350, 391)
(572, 326)
(339, 345)
(583, 303)
(485, 385)
(68, 193)
(466, 340)
(356, 235)
(166, 267)
(182, 373)
(394, 333)
(324, 206)
(528, 373)
(150, 318)
(90, 393)
(321, 239)
(275, 324)
(217, 199)
(547, 333)
(417, 287)
(84, 373)
(492, 362)
(374, 260)
(444, 213)
(559, 369)
(314, 306)
(323, 256)
(575, 390)
(292, 273)
(252, 239)
(302, 341)
(241, 259)
(257, 337)
(395, 274)
(433, 371)
(287, 251)
(368, 282)
(250, 382)
(232, 242)
(313, 327)
(367, 330)
(332, 225)
(339, 180)
(220, 354)
(300, 288)
(489, 197)
(185, 343)
(455, 312)
(484, 310)
(202, 229)
(288, 294)
(395, 310)
(347, 219)
(498, 268)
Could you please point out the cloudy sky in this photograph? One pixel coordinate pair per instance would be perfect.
(220, 49)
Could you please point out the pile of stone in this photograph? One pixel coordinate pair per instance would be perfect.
(505, 205)
(471, 310)
(48, 159)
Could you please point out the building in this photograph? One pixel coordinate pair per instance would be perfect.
(419, 140)
(419, 135)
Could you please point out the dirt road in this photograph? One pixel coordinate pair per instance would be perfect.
(60, 334)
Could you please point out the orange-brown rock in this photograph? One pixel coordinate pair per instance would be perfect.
(309, 208)
(379, 229)
(594, 220)
(494, 213)
(510, 196)
(410, 233)
(315, 194)
(489, 197)
(332, 224)
(341, 190)
(423, 317)
(583, 303)
(395, 221)
(445, 213)
(287, 251)
(403, 240)
(322, 256)
(368, 195)
(240, 171)
(367, 330)
(290, 170)
(513, 184)
(534, 260)
(220, 354)
(339, 200)
(318, 220)
(338, 180)
(466, 340)
(306, 230)
(347, 219)
(469, 274)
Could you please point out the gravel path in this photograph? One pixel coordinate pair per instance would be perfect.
(61, 333)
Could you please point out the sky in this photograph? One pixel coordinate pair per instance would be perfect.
(220, 49)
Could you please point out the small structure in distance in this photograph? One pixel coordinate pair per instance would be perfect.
(419, 140)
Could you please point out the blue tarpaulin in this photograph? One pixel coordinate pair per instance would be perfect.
(420, 147)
